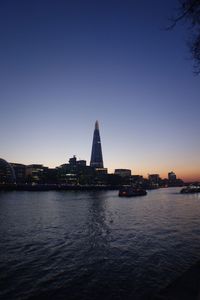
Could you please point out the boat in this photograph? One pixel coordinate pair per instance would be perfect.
(130, 191)
(191, 189)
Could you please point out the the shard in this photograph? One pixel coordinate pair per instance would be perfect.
(96, 156)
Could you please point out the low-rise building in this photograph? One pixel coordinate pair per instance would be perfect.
(35, 173)
(123, 172)
(20, 172)
(154, 180)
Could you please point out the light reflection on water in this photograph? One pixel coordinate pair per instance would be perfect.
(86, 245)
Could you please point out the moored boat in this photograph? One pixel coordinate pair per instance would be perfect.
(130, 191)
(191, 189)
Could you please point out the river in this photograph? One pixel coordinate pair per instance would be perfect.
(95, 245)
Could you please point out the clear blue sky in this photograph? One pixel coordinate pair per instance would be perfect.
(64, 64)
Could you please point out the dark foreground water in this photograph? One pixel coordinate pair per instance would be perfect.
(95, 245)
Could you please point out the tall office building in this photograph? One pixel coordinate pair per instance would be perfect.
(96, 156)
(171, 176)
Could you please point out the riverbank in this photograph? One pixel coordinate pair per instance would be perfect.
(185, 287)
(60, 187)
(55, 187)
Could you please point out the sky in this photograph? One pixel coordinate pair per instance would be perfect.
(65, 64)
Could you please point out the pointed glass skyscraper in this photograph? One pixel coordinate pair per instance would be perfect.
(96, 156)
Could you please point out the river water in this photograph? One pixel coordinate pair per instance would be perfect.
(95, 245)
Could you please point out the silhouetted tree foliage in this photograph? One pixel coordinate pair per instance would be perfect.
(189, 10)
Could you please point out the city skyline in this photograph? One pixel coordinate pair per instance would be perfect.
(65, 65)
(96, 160)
